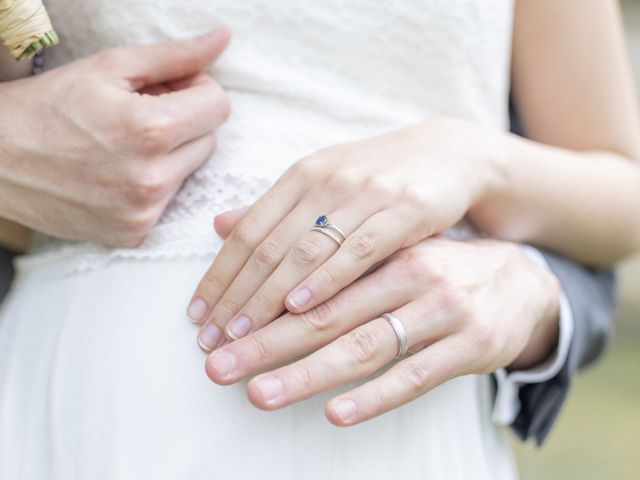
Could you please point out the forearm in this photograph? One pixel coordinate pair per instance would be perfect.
(585, 205)
(591, 298)
(12, 236)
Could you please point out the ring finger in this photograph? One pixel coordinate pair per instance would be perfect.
(351, 357)
(309, 252)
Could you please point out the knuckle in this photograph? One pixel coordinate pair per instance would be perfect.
(243, 234)
(422, 267)
(210, 285)
(138, 225)
(229, 305)
(319, 319)
(363, 345)
(412, 263)
(148, 185)
(304, 376)
(456, 303)
(414, 376)
(485, 339)
(260, 349)
(153, 134)
(264, 303)
(381, 185)
(376, 398)
(415, 196)
(327, 277)
(361, 244)
(305, 169)
(267, 255)
(342, 182)
(305, 252)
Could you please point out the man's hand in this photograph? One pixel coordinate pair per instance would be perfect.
(96, 149)
(467, 308)
(380, 194)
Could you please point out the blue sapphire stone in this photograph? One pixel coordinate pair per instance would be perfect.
(322, 221)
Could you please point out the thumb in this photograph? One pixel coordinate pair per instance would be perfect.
(152, 64)
(226, 222)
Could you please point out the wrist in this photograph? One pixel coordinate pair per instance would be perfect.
(544, 337)
(479, 154)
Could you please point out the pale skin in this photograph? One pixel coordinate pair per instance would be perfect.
(498, 180)
(467, 307)
(573, 187)
(108, 140)
(13, 235)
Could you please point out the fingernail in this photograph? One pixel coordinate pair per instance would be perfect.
(197, 310)
(209, 337)
(300, 297)
(239, 327)
(346, 409)
(224, 363)
(270, 388)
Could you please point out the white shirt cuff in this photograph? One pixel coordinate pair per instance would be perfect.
(507, 402)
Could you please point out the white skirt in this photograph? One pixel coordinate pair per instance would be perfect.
(101, 378)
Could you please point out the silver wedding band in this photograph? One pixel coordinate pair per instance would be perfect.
(401, 334)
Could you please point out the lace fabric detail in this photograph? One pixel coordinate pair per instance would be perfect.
(185, 230)
(300, 76)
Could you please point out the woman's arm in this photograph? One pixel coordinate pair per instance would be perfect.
(577, 190)
(573, 188)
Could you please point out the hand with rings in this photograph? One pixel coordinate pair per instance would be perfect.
(336, 214)
(443, 300)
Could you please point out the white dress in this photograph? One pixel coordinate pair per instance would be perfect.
(100, 375)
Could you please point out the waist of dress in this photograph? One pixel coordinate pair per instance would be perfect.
(178, 239)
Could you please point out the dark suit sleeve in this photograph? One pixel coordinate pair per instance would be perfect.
(591, 295)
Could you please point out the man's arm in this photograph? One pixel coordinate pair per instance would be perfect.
(591, 297)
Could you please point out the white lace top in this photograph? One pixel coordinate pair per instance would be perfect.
(301, 76)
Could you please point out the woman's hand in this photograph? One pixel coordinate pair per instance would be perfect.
(467, 308)
(94, 150)
(384, 194)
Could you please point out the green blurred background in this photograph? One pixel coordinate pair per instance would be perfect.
(598, 433)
